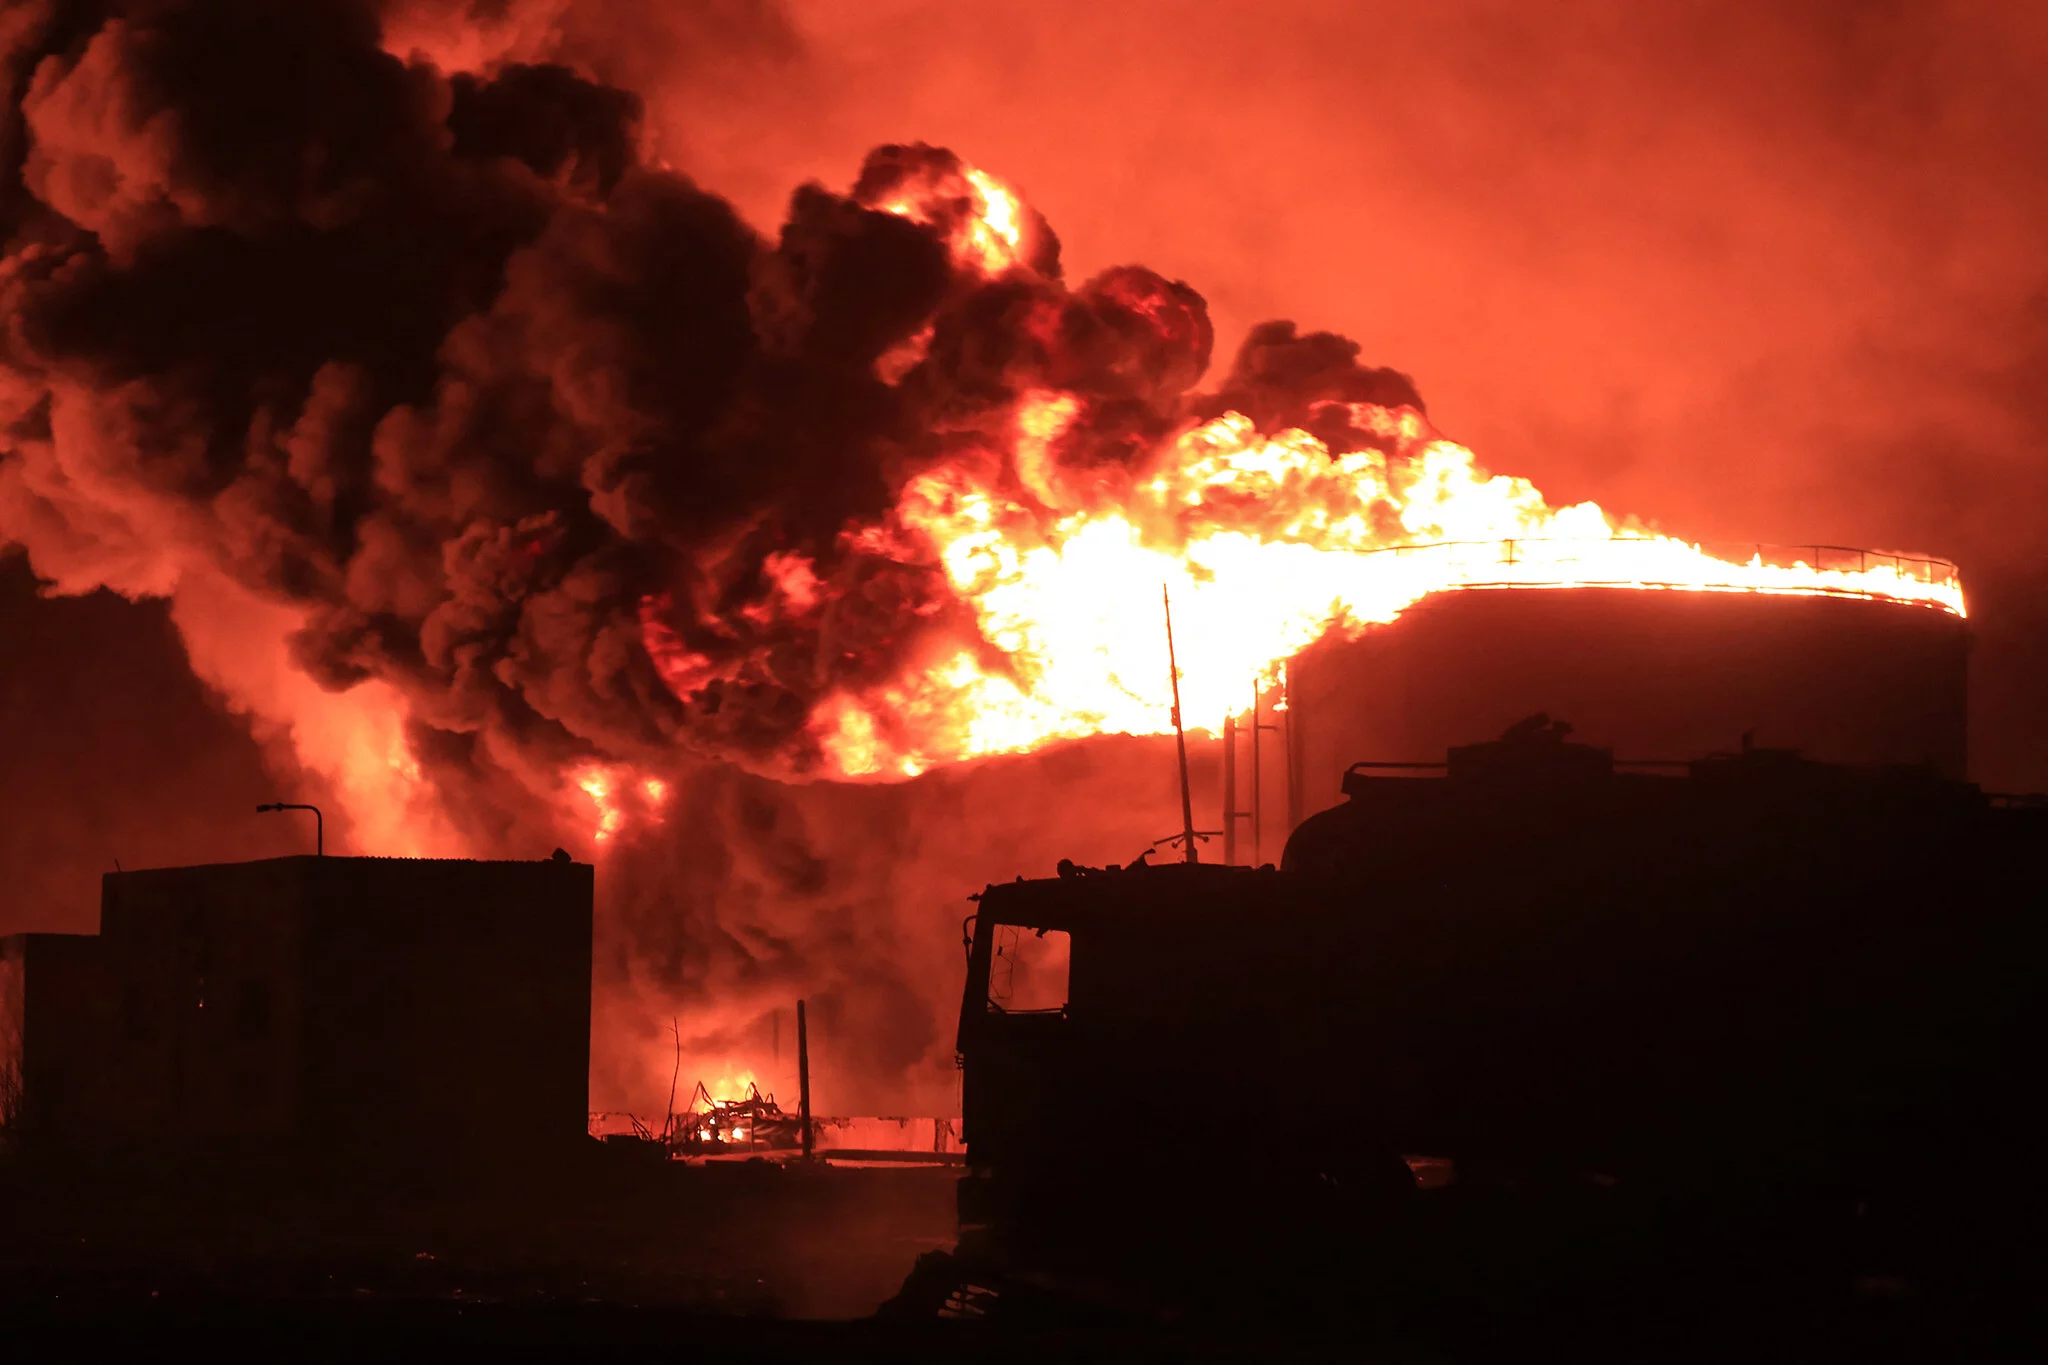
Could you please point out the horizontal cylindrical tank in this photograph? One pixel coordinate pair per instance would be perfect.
(1650, 674)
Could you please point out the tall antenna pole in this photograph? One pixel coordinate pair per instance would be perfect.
(1258, 773)
(1230, 810)
(1180, 738)
(1291, 735)
(1258, 779)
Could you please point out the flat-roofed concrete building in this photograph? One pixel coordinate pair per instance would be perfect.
(372, 1007)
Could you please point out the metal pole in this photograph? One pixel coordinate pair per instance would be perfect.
(1258, 786)
(1230, 791)
(1293, 738)
(1187, 808)
(1259, 781)
(803, 1077)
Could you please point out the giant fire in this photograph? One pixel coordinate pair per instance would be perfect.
(1265, 541)
(522, 490)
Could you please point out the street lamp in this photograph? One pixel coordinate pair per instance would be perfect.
(319, 823)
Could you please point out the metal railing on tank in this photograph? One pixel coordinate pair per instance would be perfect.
(1669, 563)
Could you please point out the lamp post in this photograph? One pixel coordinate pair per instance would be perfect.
(319, 822)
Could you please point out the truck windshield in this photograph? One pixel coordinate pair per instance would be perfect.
(1028, 973)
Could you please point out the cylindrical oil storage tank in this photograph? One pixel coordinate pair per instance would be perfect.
(1652, 674)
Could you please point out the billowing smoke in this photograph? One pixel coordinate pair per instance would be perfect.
(488, 464)
(483, 462)
(1762, 269)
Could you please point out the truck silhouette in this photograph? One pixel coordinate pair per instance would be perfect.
(1531, 966)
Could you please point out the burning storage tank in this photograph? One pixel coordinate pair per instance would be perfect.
(1650, 672)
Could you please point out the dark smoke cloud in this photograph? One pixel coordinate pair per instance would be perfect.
(754, 893)
(401, 316)
(439, 359)
(394, 375)
(1284, 379)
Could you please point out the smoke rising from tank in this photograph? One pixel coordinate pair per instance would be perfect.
(437, 360)
(429, 403)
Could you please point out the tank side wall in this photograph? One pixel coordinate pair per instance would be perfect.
(1654, 675)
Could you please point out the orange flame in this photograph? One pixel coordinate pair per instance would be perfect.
(615, 793)
(1265, 542)
(599, 786)
(989, 235)
(733, 1083)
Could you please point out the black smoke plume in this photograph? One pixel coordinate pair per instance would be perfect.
(439, 360)
(445, 373)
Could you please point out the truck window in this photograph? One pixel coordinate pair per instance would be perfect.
(1028, 974)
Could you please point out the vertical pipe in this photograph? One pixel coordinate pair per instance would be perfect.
(1180, 738)
(1258, 787)
(803, 1077)
(1230, 791)
(1294, 744)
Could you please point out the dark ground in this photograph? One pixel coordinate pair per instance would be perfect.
(758, 1262)
(741, 1239)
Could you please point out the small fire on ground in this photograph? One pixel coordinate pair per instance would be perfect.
(717, 1124)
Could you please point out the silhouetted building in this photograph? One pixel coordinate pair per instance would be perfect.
(53, 1031)
(363, 1007)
